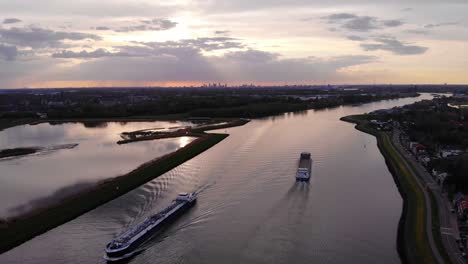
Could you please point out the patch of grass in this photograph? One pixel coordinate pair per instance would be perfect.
(417, 246)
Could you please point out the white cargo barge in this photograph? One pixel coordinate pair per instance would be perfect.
(304, 169)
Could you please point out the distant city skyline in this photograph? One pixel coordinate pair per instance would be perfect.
(267, 42)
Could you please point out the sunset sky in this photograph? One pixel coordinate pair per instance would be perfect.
(52, 43)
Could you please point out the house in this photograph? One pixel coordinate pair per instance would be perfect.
(417, 148)
(445, 153)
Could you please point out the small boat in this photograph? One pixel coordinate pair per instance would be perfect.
(126, 244)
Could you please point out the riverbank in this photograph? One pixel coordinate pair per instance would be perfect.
(415, 226)
(15, 231)
(183, 108)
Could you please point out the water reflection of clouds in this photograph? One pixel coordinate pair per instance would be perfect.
(184, 141)
(97, 157)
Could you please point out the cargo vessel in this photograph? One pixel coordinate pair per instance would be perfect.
(304, 169)
(126, 244)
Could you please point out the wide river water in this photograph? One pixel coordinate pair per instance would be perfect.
(250, 209)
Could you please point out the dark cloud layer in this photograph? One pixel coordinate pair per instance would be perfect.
(150, 25)
(417, 31)
(99, 53)
(185, 47)
(156, 24)
(186, 60)
(11, 20)
(392, 23)
(205, 44)
(36, 37)
(441, 24)
(103, 28)
(179, 64)
(222, 32)
(393, 45)
(355, 38)
(352, 22)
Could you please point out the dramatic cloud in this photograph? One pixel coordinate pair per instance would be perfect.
(40, 38)
(393, 45)
(205, 44)
(149, 25)
(441, 24)
(177, 49)
(222, 32)
(357, 23)
(236, 66)
(341, 16)
(417, 31)
(8, 53)
(103, 28)
(355, 38)
(254, 56)
(99, 53)
(363, 24)
(392, 23)
(143, 38)
(11, 20)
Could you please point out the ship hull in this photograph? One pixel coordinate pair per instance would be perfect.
(132, 250)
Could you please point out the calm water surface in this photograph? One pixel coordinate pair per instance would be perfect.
(250, 209)
(35, 180)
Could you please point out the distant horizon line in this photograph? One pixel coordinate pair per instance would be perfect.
(231, 86)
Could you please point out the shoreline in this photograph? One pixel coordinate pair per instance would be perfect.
(412, 238)
(9, 123)
(25, 227)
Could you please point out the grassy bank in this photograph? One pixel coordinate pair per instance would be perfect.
(413, 244)
(16, 231)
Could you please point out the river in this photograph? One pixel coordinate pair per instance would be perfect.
(250, 209)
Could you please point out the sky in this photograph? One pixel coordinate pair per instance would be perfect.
(88, 43)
